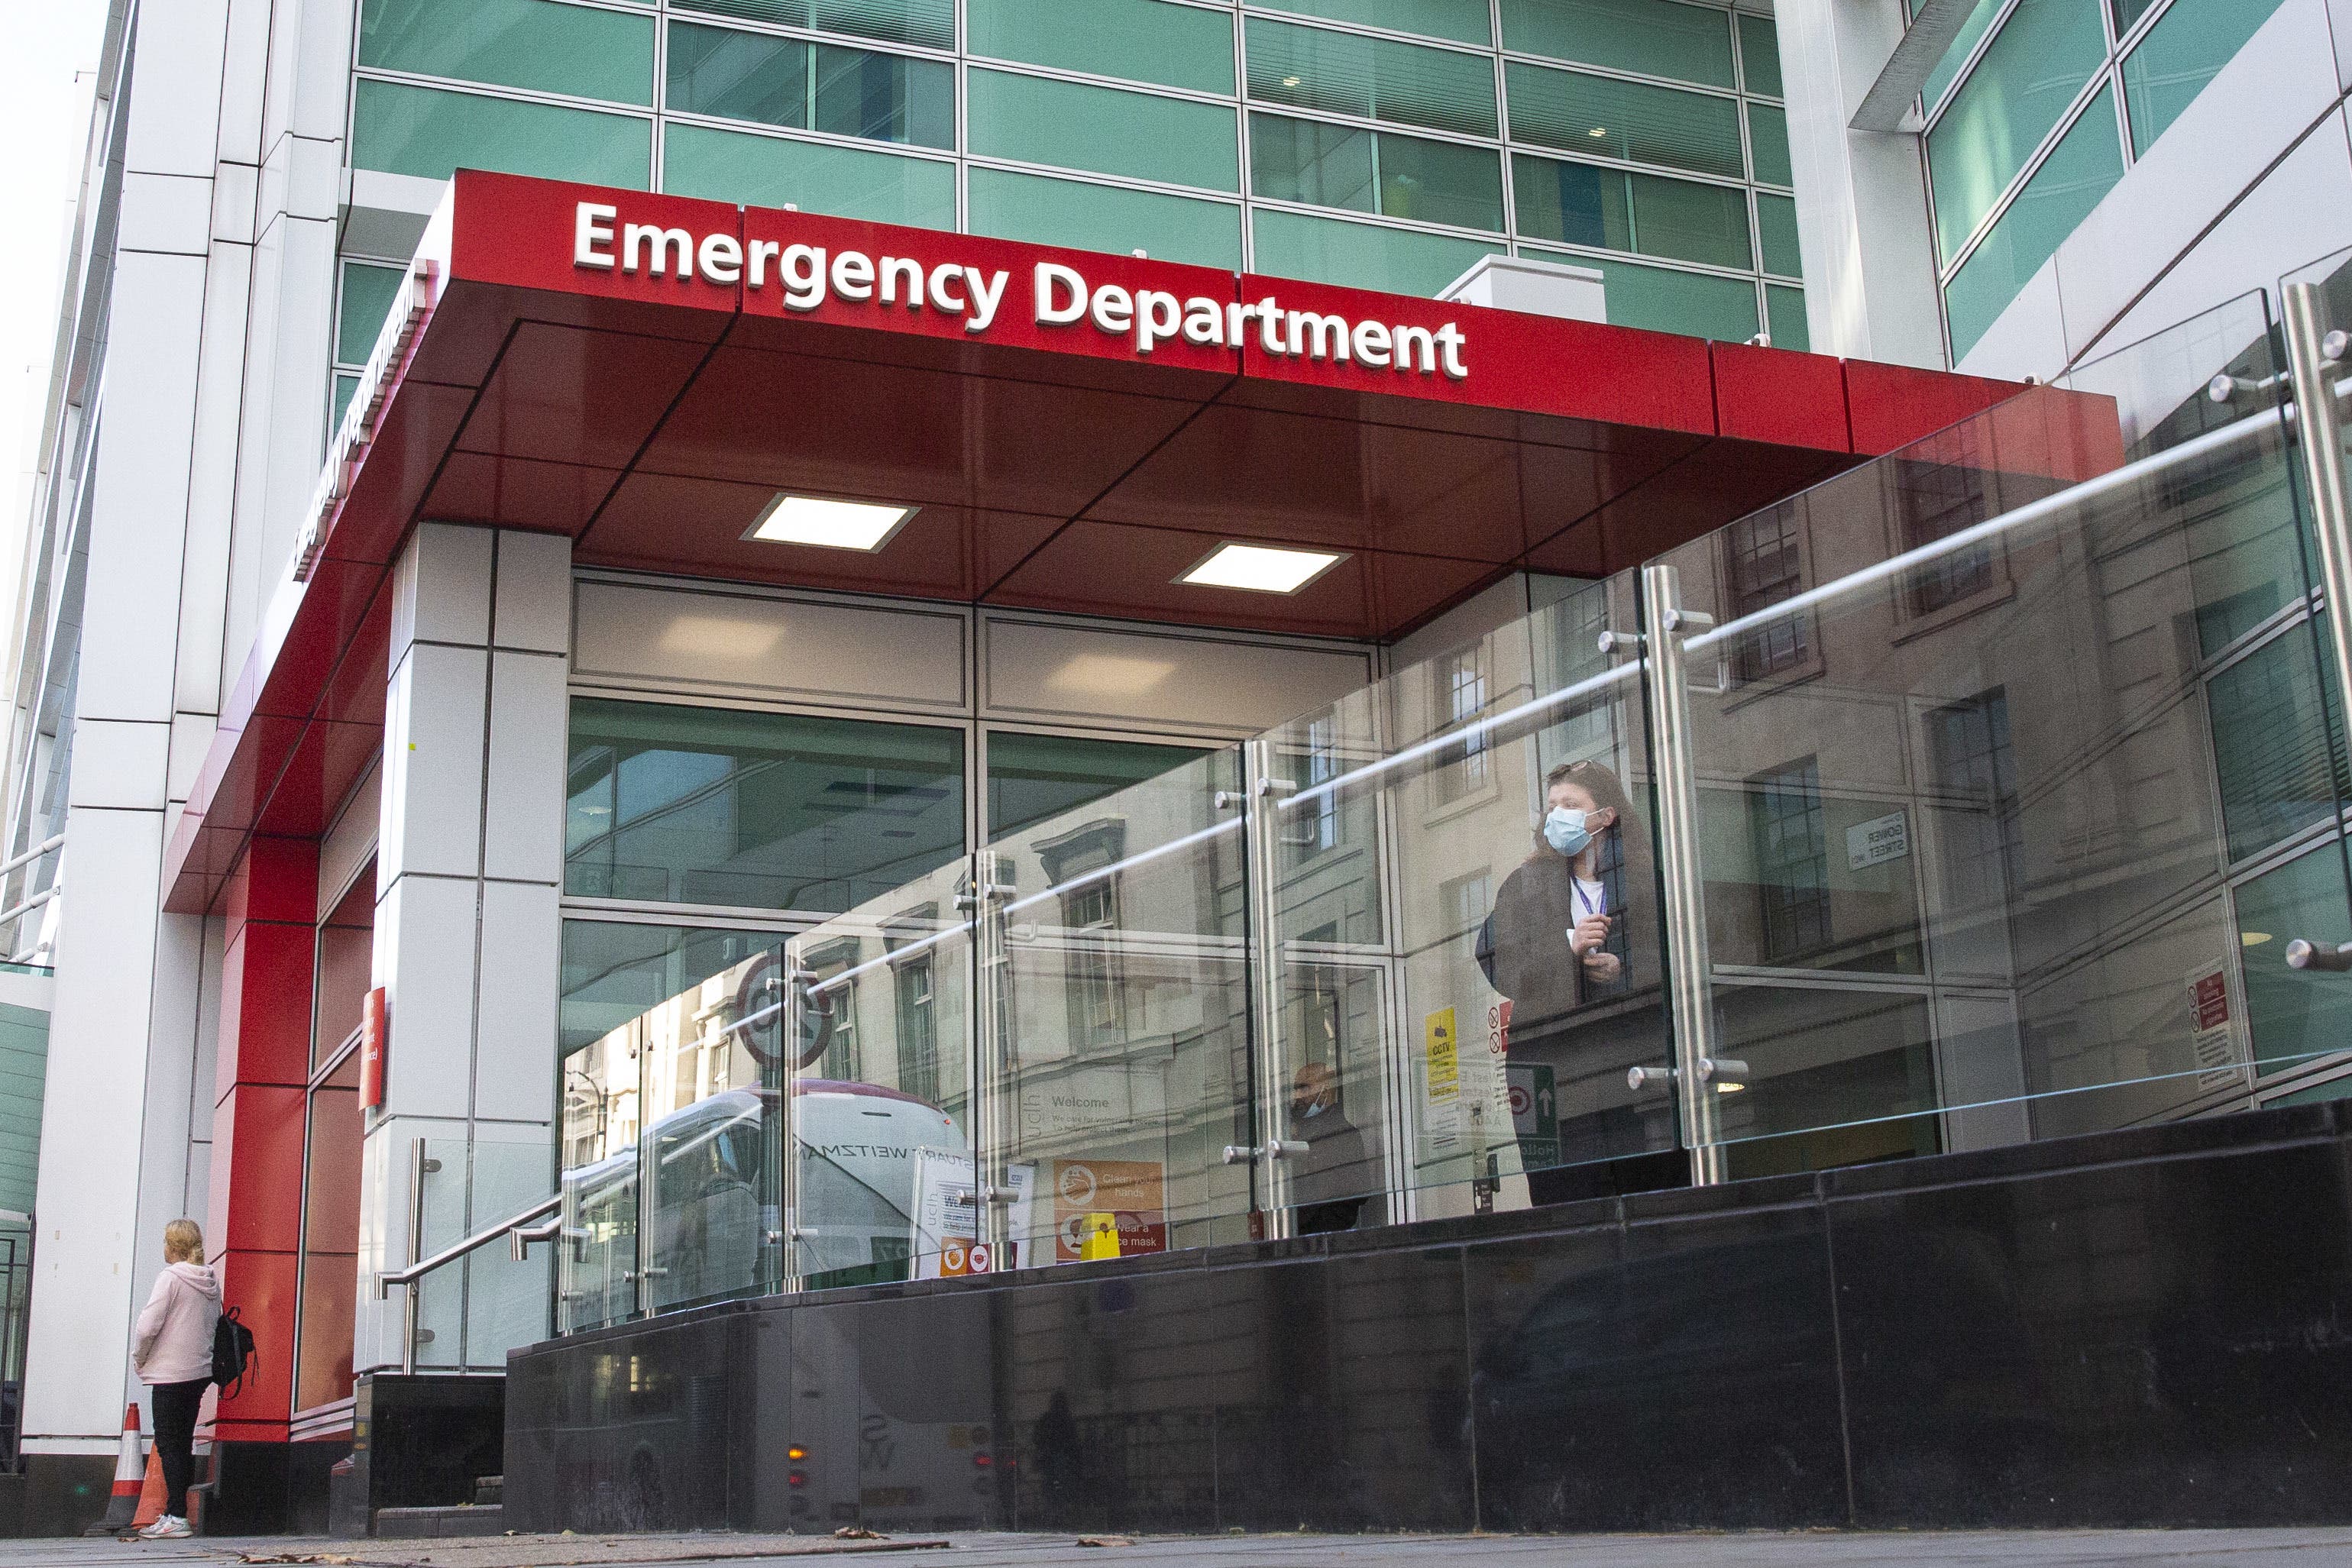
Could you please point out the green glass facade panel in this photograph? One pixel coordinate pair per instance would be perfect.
(1375, 79)
(1037, 119)
(1142, 40)
(2187, 49)
(1776, 235)
(1011, 205)
(1360, 255)
(345, 385)
(419, 131)
(368, 294)
(1603, 117)
(1462, 21)
(1948, 69)
(537, 45)
(2296, 1014)
(1572, 204)
(1653, 38)
(736, 75)
(1691, 222)
(2128, 12)
(1760, 54)
(2033, 69)
(1033, 777)
(1785, 317)
(819, 177)
(1439, 181)
(24, 1071)
(693, 805)
(1767, 144)
(2083, 167)
(930, 24)
(885, 97)
(1696, 304)
(1617, 209)
(1375, 172)
(2275, 766)
(1310, 160)
(613, 973)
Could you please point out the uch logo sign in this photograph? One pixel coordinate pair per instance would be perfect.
(1053, 295)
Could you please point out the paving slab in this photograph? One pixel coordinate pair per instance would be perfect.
(2318, 1547)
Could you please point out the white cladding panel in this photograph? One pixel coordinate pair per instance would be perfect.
(1229, 684)
(748, 643)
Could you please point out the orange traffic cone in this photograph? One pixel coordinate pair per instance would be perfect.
(130, 1480)
(151, 1494)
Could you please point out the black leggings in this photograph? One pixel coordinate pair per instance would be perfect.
(177, 1404)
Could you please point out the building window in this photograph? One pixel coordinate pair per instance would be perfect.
(1976, 770)
(1321, 830)
(1767, 566)
(1934, 501)
(914, 985)
(1791, 838)
(844, 1061)
(1462, 903)
(1081, 865)
(1460, 698)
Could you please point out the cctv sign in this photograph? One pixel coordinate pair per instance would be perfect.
(928, 281)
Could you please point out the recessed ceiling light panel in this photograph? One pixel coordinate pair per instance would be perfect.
(1260, 569)
(829, 525)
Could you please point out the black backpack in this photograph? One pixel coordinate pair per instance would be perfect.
(232, 1352)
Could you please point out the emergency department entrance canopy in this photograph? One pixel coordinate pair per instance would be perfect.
(646, 374)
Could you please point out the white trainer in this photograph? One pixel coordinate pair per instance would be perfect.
(167, 1528)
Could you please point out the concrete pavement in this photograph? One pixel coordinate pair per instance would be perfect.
(2004, 1548)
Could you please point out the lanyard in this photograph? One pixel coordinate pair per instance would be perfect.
(1585, 901)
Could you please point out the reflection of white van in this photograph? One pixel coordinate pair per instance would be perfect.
(705, 1218)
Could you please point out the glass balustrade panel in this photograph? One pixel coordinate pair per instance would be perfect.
(1980, 779)
(877, 1052)
(1119, 984)
(1468, 947)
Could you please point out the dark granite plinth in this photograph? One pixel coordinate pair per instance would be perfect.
(2142, 1328)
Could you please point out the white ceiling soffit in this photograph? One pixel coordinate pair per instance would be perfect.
(1887, 105)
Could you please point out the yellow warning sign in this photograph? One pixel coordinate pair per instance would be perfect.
(1445, 1063)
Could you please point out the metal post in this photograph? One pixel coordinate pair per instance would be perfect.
(2313, 368)
(990, 1124)
(789, 1035)
(1689, 981)
(416, 1253)
(1262, 789)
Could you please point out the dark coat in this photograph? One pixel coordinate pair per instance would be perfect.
(1523, 946)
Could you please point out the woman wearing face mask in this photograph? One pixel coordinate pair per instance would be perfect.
(1572, 943)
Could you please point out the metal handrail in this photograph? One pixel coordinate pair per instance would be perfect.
(35, 853)
(481, 1238)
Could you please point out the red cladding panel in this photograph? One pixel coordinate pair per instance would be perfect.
(265, 1035)
(276, 879)
(257, 1181)
(1776, 396)
(1507, 359)
(262, 1285)
(524, 233)
(968, 277)
(1895, 405)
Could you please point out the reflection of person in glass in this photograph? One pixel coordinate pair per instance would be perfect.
(1331, 1180)
(1562, 944)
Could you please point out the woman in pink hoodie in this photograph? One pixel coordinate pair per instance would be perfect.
(171, 1351)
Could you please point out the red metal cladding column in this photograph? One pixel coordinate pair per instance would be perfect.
(254, 1228)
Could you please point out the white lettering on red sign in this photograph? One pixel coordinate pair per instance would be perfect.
(1059, 295)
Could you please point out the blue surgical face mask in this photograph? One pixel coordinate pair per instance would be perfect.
(1564, 831)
